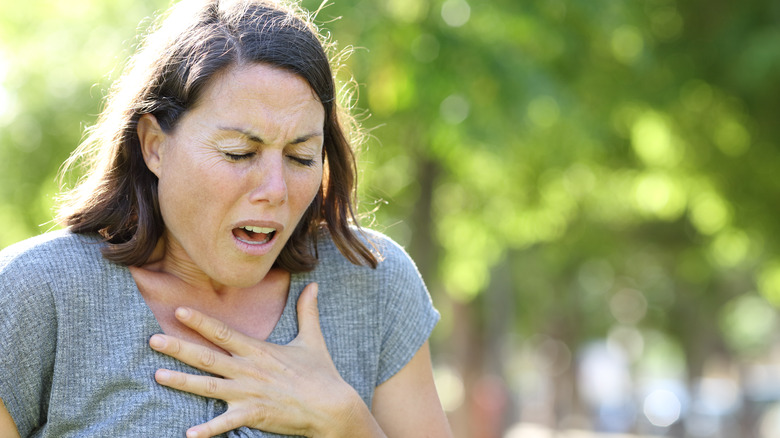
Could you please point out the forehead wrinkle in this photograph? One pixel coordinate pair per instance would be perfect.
(256, 138)
(261, 115)
(245, 132)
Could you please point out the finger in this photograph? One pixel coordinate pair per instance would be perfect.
(206, 386)
(196, 355)
(218, 425)
(308, 312)
(215, 331)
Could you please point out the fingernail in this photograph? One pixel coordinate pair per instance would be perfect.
(182, 313)
(163, 375)
(157, 342)
(192, 434)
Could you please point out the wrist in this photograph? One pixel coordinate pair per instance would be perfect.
(351, 418)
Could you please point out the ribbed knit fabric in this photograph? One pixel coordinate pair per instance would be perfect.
(74, 331)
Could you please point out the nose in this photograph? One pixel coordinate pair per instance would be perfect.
(268, 180)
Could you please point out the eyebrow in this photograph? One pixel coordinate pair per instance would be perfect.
(255, 138)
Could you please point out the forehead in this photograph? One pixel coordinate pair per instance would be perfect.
(259, 80)
(259, 96)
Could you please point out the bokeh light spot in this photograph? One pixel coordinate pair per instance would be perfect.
(732, 138)
(628, 306)
(449, 384)
(658, 195)
(456, 13)
(454, 109)
(627, 44)
(662, 408)
(408, 11)
(730, 247)
(747, 322)
(652, 140)
(710, 213)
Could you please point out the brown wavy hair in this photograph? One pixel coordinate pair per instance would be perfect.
(117, 197)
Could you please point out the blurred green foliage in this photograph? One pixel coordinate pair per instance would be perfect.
(593, 164)
(587, 147)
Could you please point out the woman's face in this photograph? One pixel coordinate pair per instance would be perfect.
(237, 173)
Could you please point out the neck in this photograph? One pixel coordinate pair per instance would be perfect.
(171, 259)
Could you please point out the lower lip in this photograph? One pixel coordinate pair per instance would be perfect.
(256, 249)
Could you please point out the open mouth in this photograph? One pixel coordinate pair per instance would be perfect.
(254, 235)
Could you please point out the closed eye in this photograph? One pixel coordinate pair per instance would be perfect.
(239, 157)
(308, 162)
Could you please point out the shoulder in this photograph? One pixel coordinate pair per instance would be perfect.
(396, 281)
(51, 255)
(36, 277)
(393, 260)
(60, 246)
(392, 301)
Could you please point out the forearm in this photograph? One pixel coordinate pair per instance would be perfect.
(7, 425)
(355, 420)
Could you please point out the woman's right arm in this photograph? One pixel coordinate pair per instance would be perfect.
(28, 323)
(7, 425)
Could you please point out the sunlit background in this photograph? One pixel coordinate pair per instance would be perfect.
(591, 190)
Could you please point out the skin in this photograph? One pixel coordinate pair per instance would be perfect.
(251, 151)
(7, 425)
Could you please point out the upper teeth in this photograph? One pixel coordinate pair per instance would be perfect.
(262, 230)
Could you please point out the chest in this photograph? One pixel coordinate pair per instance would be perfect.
(254, 312)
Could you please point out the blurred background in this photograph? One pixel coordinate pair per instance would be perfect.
(589, 188)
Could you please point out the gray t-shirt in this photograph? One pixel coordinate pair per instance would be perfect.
(74, 331)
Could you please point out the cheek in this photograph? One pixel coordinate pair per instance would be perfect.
(304, 189)
(175, 203)
(184, 191)
(314, 185)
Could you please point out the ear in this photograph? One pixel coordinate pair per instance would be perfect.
(153, 140)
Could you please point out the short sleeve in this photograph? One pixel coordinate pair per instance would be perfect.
(27, 344)
(408, 314)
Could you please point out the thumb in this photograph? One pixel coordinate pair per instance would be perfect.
(308, 312)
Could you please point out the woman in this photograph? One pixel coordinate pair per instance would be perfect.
(211, 249)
